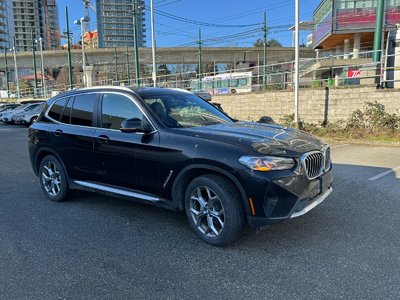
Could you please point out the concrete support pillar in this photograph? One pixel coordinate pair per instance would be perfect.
(396, 76)
(356, 45)
(317, 53)
(338, 51)
(346, 50)
(89, 72)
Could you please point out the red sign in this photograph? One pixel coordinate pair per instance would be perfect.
(353, 73)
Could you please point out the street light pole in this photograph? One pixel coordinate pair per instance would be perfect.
(153, 44)
(43, 74)
(200, 61)
(296, 87)
(83, 53)
(69, 50)
(128, 69)
(265, 49)
(16, 70)
(6, 70)
(135, 41)
(34, 62)
(116, 65)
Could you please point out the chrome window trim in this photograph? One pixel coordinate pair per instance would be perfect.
(90, 91)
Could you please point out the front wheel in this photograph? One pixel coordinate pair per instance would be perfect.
(214, 209)
(53, 179)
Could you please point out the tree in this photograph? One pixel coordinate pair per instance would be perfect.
(163, 70)
(270, 43)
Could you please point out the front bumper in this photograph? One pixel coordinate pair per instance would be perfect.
(284, 197)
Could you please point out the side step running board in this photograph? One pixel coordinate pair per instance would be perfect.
(117, 191)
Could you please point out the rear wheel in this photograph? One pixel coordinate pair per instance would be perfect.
(33, 120)
(214, 209)
(53, 179)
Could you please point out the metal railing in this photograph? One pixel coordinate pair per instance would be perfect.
(327, 71)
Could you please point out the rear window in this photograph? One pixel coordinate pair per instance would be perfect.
(82, 110)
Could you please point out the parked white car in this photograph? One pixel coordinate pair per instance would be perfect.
(9, 116)
(28, 117)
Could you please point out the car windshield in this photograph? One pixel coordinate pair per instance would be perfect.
(182, 109)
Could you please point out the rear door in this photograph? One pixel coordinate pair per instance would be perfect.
(73, 135)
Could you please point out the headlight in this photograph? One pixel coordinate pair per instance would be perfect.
(267, 163)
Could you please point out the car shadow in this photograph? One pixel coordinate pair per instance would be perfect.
(352, 204)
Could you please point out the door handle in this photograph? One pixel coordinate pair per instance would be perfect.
(58, 132)
(103, 138)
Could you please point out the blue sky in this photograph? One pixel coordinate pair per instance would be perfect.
(169, 32)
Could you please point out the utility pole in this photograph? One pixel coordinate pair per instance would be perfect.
(380, 11)
(116, 65)
(42, 67)
(265, 49)
(296, 87)
(34, 61)
(16, 70)
(69, 51)
(6, 70)
(200, 62)
(128, 69)
(153, 44)
(135, 42)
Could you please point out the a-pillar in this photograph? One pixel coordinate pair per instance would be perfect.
(356, 45)
(346, 51)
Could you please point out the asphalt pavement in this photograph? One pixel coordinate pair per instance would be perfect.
(98, 247)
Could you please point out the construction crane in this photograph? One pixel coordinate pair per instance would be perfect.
(86, 15)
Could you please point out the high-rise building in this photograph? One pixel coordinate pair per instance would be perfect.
(115, 23)
(39, 16)
(6, 24)
(51, 25)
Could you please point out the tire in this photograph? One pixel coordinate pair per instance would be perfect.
(217, 222)
(53, 179)
(33, 120)
(233, 91)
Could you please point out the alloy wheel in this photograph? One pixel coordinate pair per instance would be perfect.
(207, 211)
(51, 178)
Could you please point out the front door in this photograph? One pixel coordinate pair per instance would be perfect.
(118, 152)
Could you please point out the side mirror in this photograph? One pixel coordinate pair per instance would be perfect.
(135, 125)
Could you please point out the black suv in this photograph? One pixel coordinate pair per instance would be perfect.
(172, 149)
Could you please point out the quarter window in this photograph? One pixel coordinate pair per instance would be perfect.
(82, 109)
(57, 108)
(66, 116)
(116, 109)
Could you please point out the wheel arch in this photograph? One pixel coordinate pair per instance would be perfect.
(42, 153)
(188, 173)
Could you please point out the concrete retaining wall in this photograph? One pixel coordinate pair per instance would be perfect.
(315, 105)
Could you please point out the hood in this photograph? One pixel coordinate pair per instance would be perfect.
(266, 139)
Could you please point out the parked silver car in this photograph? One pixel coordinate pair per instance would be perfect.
(28, 117)
(9, 117)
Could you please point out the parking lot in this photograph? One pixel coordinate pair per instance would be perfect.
(98, 247)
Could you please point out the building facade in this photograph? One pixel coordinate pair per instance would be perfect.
(115, 23)
(39, 16)
(347, 26)
(6, 24)
(51, 25)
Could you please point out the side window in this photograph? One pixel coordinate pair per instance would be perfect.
(82, 109)
(117, 108)
(66, 116)
(57, 108)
